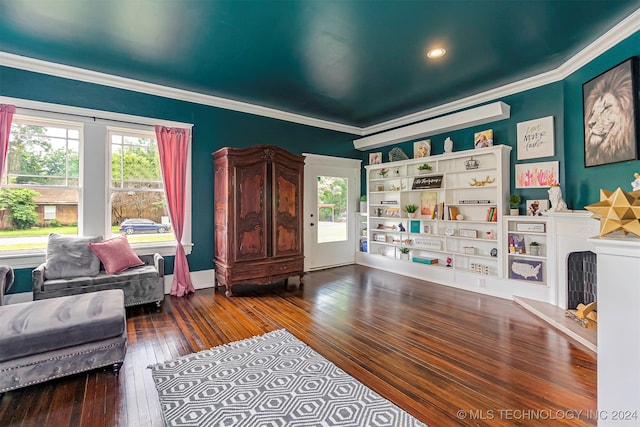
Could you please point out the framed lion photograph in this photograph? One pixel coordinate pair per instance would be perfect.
(610, 102)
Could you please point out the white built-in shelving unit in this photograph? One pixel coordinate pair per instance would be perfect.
(466, 247)
(468, 192)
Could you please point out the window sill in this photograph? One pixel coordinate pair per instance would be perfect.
(34, 259)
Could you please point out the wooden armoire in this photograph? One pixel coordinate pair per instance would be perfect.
(257, 215)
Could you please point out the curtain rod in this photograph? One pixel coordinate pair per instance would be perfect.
(95, 118)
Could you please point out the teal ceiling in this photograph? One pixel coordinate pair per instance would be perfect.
(355, 62)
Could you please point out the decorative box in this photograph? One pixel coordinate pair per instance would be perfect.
(463, 232)
(533, 226)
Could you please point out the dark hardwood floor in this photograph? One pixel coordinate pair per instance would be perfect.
(432, 350)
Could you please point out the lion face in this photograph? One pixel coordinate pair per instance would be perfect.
(608, 125)
(603, 119)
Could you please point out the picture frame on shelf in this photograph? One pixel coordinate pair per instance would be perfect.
(428, 202)
(516, 244)
(524, 269)
(537, 207)
(422, 149)
(380, 187)
(611, 134)
(426, 229)
(433, 181)
(414, 226)
(375, 158)
(483, 139)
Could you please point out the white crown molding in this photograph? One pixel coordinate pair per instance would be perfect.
(621, 31)
(89, 76)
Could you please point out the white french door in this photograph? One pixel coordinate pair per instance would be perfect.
(331, 194)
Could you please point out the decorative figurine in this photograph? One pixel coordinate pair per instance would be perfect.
(401, 227)
(449, 260)
(448, 145)
(636, 183)
(555, 196)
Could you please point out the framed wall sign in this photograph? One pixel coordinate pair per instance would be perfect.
(535, 138)
(610, 108)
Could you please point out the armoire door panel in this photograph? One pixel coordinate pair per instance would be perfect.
(252, 214)
(287, 221)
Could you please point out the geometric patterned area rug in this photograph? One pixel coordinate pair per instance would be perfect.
(270, 380)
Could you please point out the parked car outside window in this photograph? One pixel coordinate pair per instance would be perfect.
(141, 225)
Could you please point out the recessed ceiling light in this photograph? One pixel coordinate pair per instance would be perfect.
(436, 53)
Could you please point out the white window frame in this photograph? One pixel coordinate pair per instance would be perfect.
(49, 212)
(94, 206)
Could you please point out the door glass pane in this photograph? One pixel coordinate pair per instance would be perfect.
(332, 209)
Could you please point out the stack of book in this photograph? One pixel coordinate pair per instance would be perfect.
(492, 214)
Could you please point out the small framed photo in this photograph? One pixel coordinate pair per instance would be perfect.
(537, 207)
(380, 187)
(483, 139)
(422, 149)
(375, 158)
(426, 229)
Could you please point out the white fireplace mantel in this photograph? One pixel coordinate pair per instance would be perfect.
(618, 326)
(570, 232)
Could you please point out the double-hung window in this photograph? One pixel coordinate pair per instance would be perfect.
(75, 174)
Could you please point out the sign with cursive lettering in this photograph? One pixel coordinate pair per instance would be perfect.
(431, 181)
(535, 138)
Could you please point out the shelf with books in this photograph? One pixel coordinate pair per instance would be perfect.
(459, 209)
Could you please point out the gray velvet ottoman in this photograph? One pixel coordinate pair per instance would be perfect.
(47, 339)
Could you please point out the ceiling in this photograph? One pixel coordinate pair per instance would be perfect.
(353, 62)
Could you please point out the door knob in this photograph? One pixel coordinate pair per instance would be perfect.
(312, 224)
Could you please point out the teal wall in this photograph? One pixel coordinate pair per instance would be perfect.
(213, 128)
(563, 101)
(584, 184)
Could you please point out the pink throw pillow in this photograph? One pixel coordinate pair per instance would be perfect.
(116, 254)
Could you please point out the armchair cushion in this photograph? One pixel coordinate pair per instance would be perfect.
(70, 256)
(116, 254)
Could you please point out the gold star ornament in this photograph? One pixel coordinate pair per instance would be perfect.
(617, 211)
